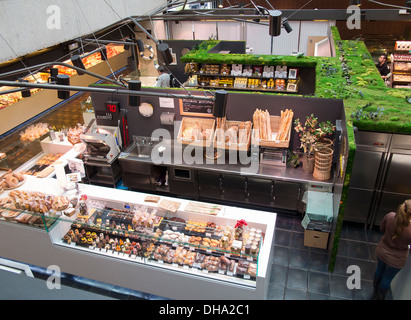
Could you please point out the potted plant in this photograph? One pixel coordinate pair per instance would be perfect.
(309, 136)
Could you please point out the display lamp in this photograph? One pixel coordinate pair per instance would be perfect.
(355, 2)
(165, 53)
(134, 101)
(53, 75)
(103, 53)
(275, 23)
(140, 45)
(287, 26)
(25, 93)
(77, 62)
(63, 79)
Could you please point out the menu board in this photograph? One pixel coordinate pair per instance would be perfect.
(194, 107)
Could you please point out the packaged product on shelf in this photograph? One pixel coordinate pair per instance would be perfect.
(258, 71)
(239, 229)
(280, 72)
(280, 84)
(268, 71)
(236, 69)
(240, 82)
(225, 69)
(247, 71)
(191, 67)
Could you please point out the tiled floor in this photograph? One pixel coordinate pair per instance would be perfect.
(298, 272)
(301, 273)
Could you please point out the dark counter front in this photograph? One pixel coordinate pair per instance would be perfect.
(184, 171)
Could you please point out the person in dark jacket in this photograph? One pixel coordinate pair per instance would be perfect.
(392, 249)
(382, 66)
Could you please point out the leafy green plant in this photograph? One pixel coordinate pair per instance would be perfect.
(363, 114)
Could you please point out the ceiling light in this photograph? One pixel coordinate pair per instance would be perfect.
(355, 2)
(26, 92)
(103, 53)
(287, 26)
(77, 62)
(134, 101)
(165, 53)
(63, 79)
(220, 4)
(275, 23)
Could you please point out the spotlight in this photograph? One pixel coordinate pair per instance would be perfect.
(165, 53)
(63, 79)
(355, 2)
(220, 104)
(220, 4)
(275, 23)
(287, 26)
(77, 62)
(134, 101)
(103, 53)
(140, 45)
(26, 92)
(127, 46)
(53, 75)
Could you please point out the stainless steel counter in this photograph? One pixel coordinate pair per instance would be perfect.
(177, 155)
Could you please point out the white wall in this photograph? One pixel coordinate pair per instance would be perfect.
(255, 35)
(28, 26)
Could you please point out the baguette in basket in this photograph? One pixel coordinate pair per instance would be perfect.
(262, 125)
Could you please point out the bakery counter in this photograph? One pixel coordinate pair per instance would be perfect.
(172, 153)
(133, 231)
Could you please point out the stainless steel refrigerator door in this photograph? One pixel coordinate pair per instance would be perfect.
(366, 169)
(358, 205)
(388, 202)
(398, 177)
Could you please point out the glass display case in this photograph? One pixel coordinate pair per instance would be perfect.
(157, 243)
(187, 242)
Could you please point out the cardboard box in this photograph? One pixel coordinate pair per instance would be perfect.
(316, 239)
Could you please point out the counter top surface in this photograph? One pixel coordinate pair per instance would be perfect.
(179, 156)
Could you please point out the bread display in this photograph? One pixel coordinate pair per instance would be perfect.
(233, 134)
(11, 180)
(272, 131)
(29, 206)
(34, 131)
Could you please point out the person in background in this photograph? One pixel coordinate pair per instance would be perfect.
(392, 249)
(382, 66)
(163, 79)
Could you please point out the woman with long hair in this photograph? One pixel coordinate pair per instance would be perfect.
(393, 248)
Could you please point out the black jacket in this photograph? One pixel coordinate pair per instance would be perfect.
(383, 69)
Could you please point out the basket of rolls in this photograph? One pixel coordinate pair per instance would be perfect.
(272, 131)
(196, 131)
(11, 179)
(234, 135)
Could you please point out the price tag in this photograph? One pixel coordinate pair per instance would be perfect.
(221, 272)
(205, 270)
(185, 266)
(208, 234)
(174, 228)
(230, 273)
(227, 255)
(208, 251)
(249, 259)
(246, 276)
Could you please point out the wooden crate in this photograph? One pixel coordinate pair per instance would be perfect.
(275, 125)
(234, 146)
(208, 124)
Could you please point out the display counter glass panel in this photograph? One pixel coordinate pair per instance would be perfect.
(202, 245)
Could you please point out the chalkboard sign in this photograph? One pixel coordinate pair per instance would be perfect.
(198, 108)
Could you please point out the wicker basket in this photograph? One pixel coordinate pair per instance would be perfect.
(208, 124)
(323, 163)
(233, 146)
(275, 125)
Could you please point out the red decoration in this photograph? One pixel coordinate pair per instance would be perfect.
(240, 223)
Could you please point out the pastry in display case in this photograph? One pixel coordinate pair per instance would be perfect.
(147, 234)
